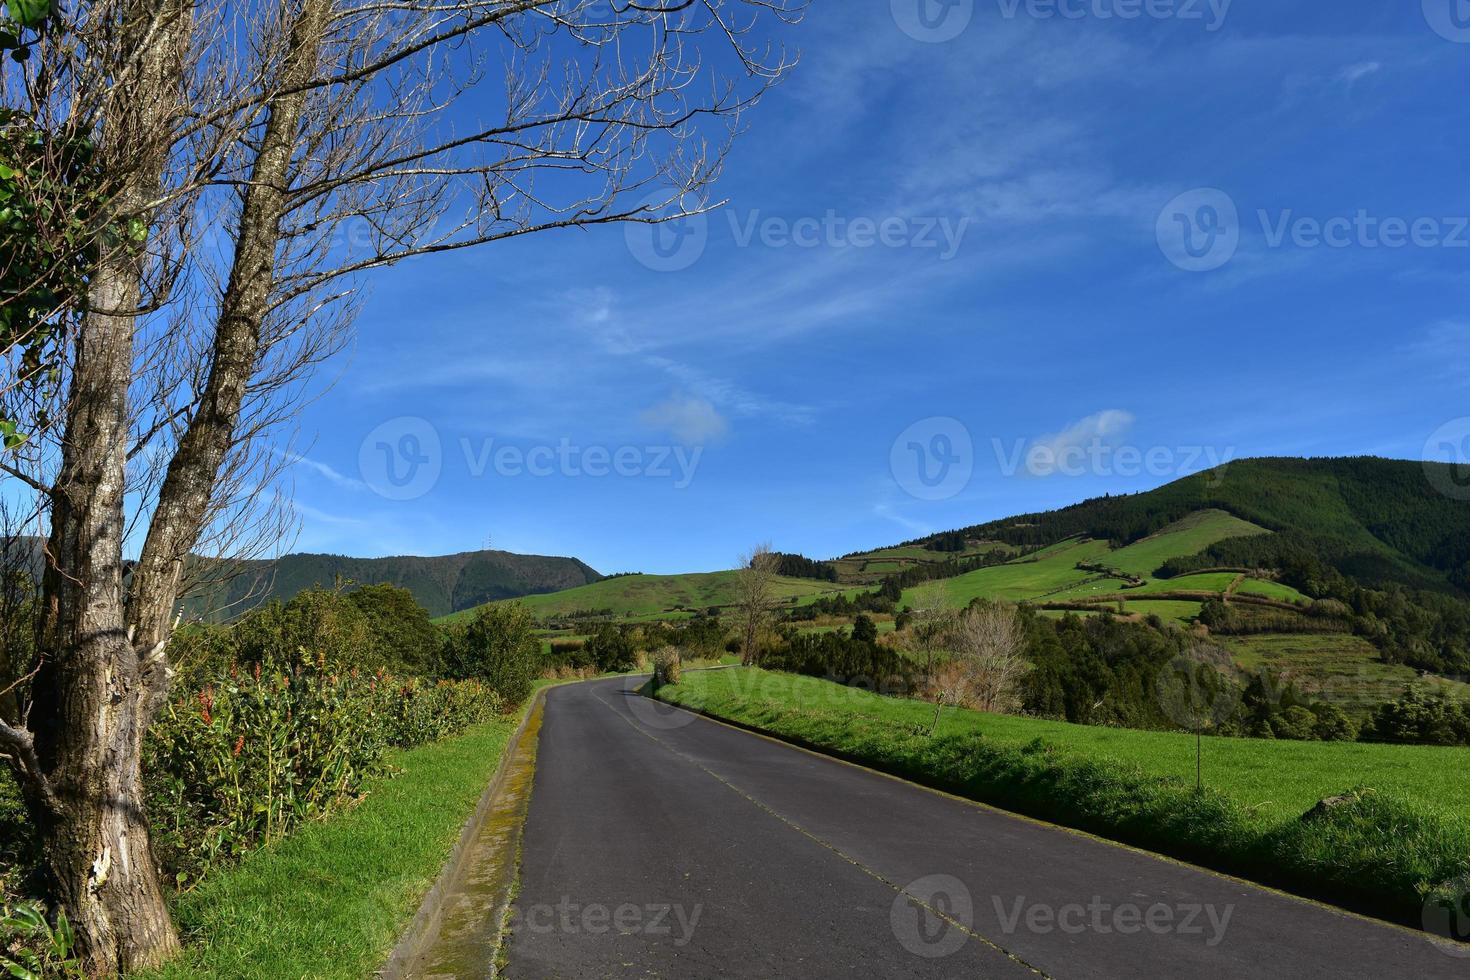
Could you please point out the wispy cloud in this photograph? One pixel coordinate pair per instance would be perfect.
(322, 469)
(692, 421)
(1105, 428)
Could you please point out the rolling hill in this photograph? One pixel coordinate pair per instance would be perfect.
(661, 596)
(1378, 521)
(442, 584)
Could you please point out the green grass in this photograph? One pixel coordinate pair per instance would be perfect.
(658, 596)
(331, 900)
(1345, 670)
(1270, 590)
(1205, 582)
(1186, 537)
(1382, 853)
(1282, 780)
(1029, 578)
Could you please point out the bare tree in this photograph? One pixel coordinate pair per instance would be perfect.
(990, 648)
(755, 599)
(931, 623)
(254, 161)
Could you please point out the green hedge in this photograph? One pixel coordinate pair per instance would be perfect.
(241, 761)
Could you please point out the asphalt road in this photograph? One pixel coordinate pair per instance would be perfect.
(660, 844)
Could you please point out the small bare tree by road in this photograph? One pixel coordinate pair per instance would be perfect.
(755, 599)
(931, 621)
(989, 650)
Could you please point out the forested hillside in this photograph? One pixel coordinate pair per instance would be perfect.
(1377, 520)
(442, 584)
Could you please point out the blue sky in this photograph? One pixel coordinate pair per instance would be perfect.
(1045, 258)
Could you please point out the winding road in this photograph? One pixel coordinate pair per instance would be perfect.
(661, 844)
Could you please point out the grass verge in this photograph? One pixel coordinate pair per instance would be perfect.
(1382, 851)
(330, 900)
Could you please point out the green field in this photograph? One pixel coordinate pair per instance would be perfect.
(660, 596)
(1205, 582)
(1029, 578)
(1189, 536)
(869, 567)
(1271, 590)
(1345, 670)
(1278, 779)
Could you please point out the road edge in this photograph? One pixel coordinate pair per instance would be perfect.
(418, 936)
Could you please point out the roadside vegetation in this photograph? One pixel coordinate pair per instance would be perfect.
(1393, 828)
(311, 769)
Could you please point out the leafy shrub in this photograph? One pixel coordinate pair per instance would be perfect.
(837, 657)
(32, 947)
(612, 650)
(1418, 718)
(570, 654)
(380, 627)
(499, 647)
(667, 667)
(243, 759)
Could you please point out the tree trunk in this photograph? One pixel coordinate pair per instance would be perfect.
(88, 737)
(87, 791)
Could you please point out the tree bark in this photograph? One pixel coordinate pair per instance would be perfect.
(89, 735)
(86, 790)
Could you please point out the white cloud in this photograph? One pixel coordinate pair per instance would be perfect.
(693, 421)
(323, 470)
(1362, 69)
(1048, 452)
